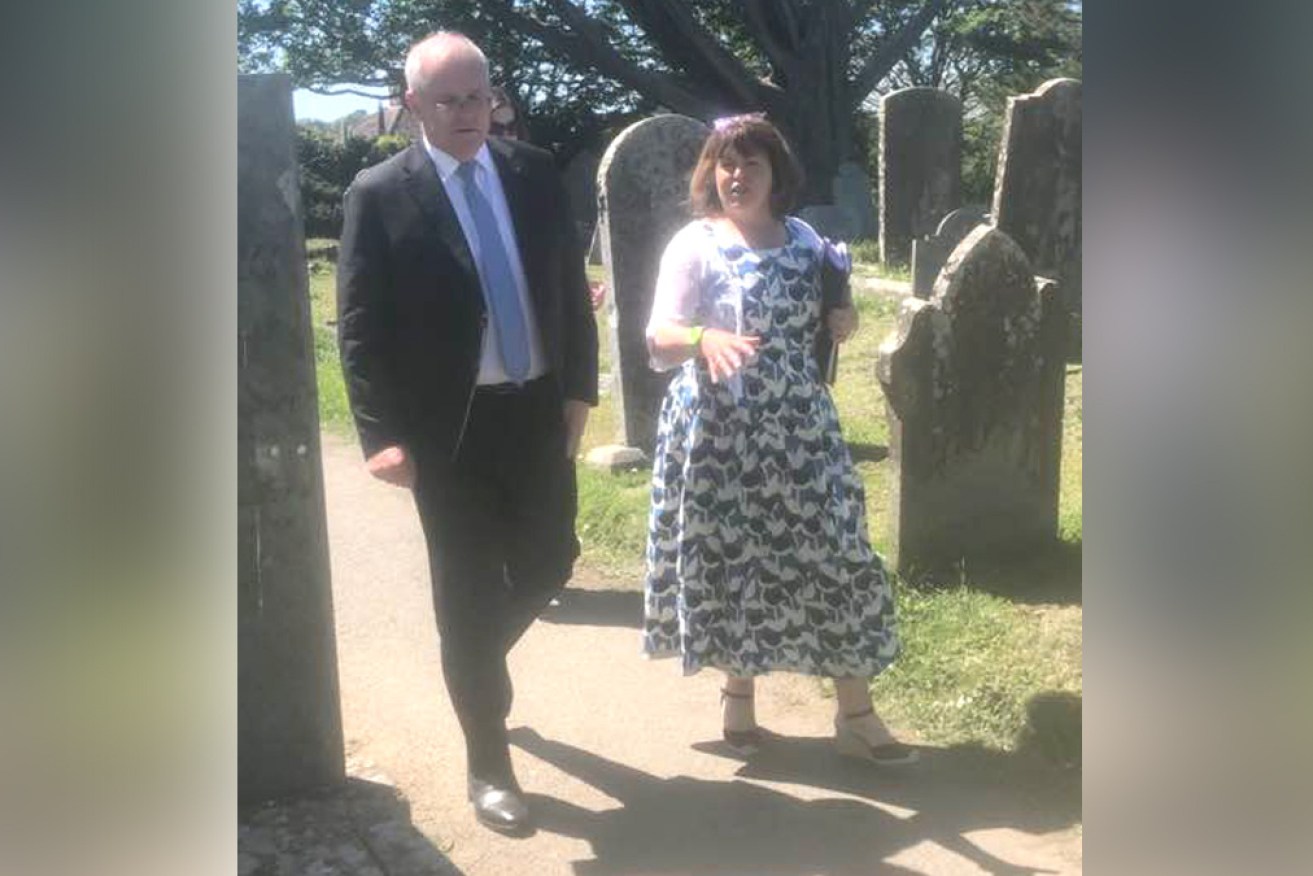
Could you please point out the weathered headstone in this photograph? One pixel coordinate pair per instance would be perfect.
(920, 166)
(580, 180)
(931, 252)
(1037, 194)
(852, 194)
(829, 221)
(973, 381)
(289, 730)
(643, 200)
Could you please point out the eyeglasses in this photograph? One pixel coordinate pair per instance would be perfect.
(478, 100)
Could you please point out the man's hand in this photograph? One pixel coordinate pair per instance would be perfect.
(393, 465)
(576, 417)
(842, 323)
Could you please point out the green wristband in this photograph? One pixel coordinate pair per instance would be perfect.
(695, 338)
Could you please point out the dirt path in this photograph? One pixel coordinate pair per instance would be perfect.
(620, 755)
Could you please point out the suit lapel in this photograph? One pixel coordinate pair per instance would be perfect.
(423, 183)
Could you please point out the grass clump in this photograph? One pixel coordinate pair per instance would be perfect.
(334, 410)
(973, 662)
(867, 263)
(612, 522)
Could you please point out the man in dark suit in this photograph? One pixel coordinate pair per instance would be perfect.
(470, 355)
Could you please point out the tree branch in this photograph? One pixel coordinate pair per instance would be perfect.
(938, 60)
(861, 10)
(687, 46)
(319, 89)
(893, 49)
(587, 45)
(754, 17)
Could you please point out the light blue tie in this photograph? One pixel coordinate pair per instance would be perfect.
(499, 287)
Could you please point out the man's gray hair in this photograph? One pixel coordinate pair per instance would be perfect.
(441, 41)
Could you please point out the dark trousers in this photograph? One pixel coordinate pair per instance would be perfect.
(499, 524)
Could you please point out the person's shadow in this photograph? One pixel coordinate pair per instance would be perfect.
(694, 826)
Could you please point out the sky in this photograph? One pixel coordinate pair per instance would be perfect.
(307, 105)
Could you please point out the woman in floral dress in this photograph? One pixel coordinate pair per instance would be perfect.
(757, 554)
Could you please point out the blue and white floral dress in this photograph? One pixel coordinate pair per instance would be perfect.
(757, 553)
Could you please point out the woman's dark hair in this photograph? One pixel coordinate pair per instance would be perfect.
(746, 135)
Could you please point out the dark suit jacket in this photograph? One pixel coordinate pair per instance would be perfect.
(410, 310)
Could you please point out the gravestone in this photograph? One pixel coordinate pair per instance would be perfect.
(1037, 194)
(920, 166)
(289, 730)
(973, 384)
(642, 187)
(851, 189)
(830, 221)
(931, 252)
(580, 180)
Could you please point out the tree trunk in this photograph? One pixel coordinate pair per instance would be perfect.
(814, 109)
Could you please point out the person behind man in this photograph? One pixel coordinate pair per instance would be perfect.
(506, 119)
(470, 354)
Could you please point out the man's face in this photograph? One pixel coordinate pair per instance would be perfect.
(455, 105)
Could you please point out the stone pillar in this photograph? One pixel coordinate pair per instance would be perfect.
(920, 166)
(642, 186)
(1037, 193)
(973, 381)
(289, 728)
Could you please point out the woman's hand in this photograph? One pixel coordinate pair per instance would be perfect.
(726, 352)
(842, 323)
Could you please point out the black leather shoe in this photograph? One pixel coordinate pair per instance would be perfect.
(499, 806)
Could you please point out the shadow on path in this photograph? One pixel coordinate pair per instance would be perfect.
(598, 608)
(695, 826)
(359, 827)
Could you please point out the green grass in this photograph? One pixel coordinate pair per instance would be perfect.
(612, 523)
(334, 412)
(866, 262)
(974, 664)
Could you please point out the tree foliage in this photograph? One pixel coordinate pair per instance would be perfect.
(579, 67)
(986, 52)
(327, 167)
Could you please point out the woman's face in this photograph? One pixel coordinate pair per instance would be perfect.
(744, 183)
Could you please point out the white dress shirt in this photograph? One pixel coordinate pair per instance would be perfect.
(491, 368)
